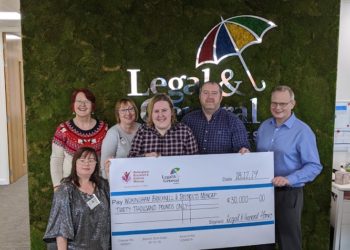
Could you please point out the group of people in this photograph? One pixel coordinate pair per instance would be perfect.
(81, 147)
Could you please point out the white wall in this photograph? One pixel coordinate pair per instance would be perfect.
(13, 26)
(4, 160)
(343, 72)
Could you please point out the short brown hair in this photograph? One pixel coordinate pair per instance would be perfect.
(156, 98)
(125, 101)
(212, 83)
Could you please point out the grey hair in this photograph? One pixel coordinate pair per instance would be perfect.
(282, 88)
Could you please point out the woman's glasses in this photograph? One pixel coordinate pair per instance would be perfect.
(87, 161)
(130, 110)
(81, 102)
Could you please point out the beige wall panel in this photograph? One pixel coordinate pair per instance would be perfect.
(15, 108)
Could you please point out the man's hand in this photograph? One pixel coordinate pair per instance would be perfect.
(280, 181)
(243, 151)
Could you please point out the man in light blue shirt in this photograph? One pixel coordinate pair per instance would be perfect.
(296, 162)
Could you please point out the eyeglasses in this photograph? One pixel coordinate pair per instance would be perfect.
(81, 102)
(87, 161)
(130, 110)
(282, 105)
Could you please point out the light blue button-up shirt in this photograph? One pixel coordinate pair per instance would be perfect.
(295, 150)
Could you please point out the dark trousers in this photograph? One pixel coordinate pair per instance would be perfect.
(288, 210)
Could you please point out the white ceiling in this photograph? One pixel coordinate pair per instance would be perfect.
(10, 25)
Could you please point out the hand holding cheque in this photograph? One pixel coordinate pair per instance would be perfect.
(185, 202)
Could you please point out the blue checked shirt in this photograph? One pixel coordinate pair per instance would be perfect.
(224, 133)
(295, 150)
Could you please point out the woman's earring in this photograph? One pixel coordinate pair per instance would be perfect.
(92, 112)
(73, 113)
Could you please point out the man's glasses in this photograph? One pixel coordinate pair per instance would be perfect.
(87, 161)
(130, 110)
(279, 104)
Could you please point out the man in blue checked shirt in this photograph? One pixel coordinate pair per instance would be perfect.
(296, 162)
(216, 130)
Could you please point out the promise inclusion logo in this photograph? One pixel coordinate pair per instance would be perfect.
(173, 177)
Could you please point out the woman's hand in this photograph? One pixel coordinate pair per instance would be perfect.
(107, 166)
(152, 154)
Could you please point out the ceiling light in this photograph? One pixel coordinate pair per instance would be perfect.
(12, 37)
(10, 16)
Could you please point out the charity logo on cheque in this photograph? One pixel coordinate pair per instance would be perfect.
(137, 176)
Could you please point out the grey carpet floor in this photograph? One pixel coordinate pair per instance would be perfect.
(14, 216)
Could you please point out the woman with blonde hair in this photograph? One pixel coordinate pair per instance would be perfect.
(118, 140)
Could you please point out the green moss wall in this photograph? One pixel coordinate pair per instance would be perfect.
(91, 43)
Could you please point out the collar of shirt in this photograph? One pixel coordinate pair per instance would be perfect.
(213, 116)
(288, 123)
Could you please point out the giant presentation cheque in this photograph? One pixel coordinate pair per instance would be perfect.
(192, 202)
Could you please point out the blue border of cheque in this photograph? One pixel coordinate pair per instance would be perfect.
(195, 189)
(183, 229)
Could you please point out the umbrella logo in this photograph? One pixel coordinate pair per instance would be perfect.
(175, 171)
(230, 38)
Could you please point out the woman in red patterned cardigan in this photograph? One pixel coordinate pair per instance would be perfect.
(82, 130)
